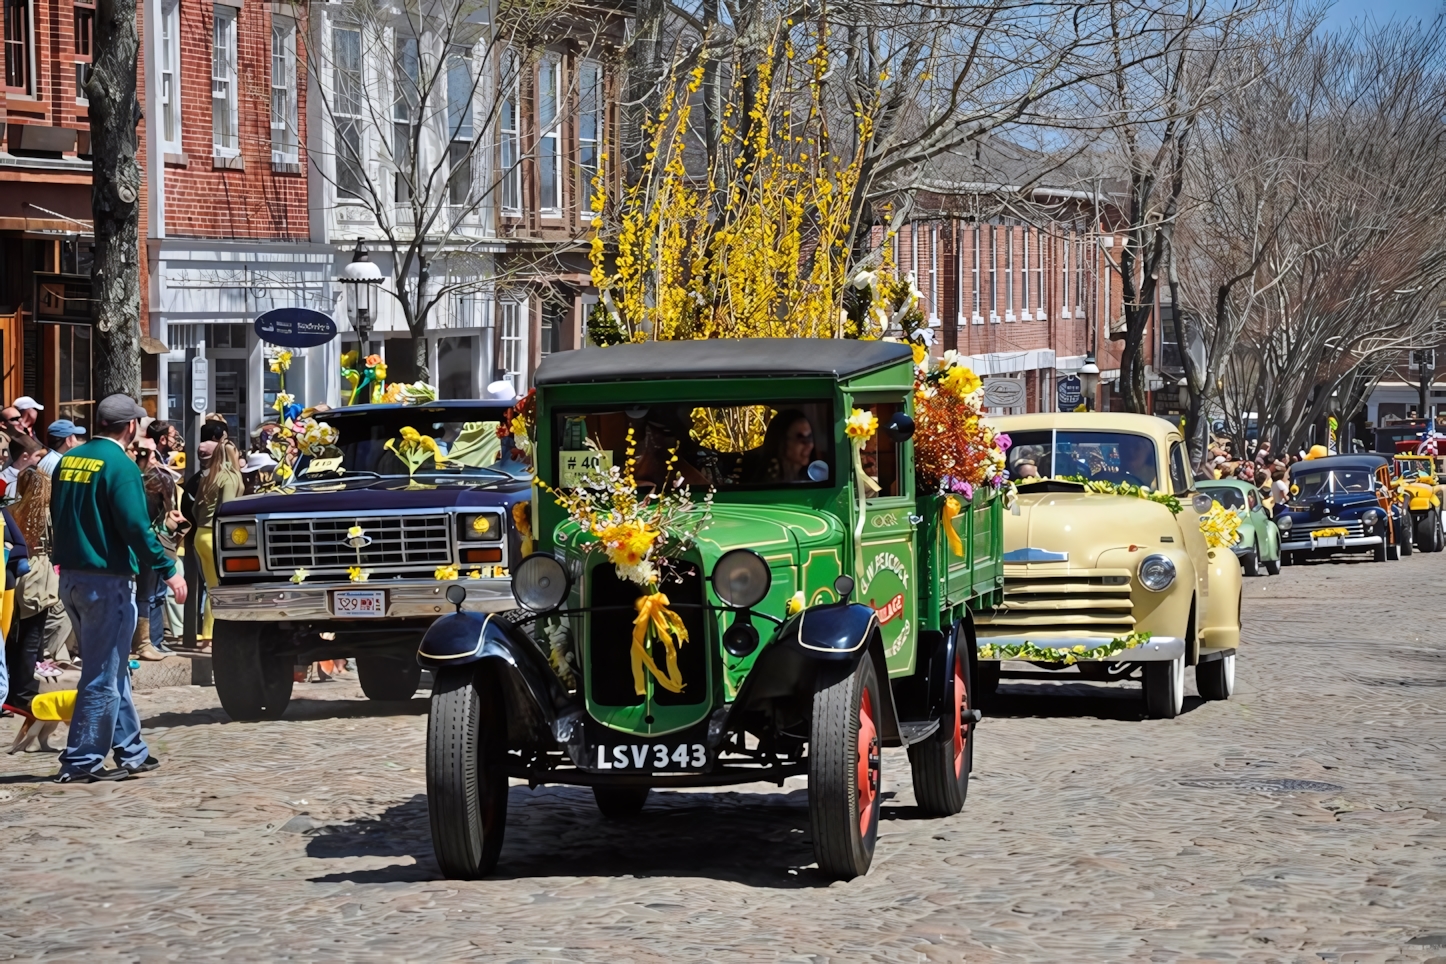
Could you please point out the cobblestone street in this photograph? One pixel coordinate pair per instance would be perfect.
(1090, 834)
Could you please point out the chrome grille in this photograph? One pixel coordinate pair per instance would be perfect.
(399, 543)
(1065, 603)
(1353, 528)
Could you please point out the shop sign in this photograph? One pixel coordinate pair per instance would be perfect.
(1068, 393)
(1004, 393)
(295, 327)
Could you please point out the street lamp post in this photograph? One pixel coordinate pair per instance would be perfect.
(361, 277)
(1089, 380)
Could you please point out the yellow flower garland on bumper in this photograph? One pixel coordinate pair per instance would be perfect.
(1066, 655)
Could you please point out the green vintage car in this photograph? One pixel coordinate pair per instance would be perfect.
(879, 653)
(1259, 544)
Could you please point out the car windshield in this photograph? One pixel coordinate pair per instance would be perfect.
(1104, 456)
(465, 437)
(1412, 468)
(1313, 482)
(726, 446)
(1228, 496)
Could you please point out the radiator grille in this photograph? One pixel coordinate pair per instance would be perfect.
(1067, 604)
(1353, 527)
(399, 543)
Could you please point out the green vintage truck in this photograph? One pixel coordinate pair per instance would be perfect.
(816, 632)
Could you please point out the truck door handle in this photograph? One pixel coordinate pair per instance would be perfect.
(915, 519)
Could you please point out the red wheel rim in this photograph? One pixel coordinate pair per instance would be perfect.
(868, 763)
(961, 735)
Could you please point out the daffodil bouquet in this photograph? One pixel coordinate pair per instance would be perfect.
(414, 449)
(955, 450)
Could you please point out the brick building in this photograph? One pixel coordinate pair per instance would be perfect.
(45, 217)
(1031, 301)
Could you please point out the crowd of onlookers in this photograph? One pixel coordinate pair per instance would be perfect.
(1267, 471)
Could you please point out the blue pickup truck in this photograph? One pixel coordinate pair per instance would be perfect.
(287, 592)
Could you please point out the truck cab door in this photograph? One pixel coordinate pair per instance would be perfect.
(887, 580)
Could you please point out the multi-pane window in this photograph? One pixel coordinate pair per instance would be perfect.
(1009, 273)
(994, 273)
(509, 341)
(509, 135)
(1024, 276)
(459, 127)
(406, 114)
(1039, 274)
(977, 317)
(347, 111)
(589, 133)
(284, 139)
(549, 186)
(1079, 274)
(223, 82)
(84, 47)
(1064, 275)
(170, 81)
(17, 45)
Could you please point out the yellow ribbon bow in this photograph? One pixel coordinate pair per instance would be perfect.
(653, 613)
(947, 516)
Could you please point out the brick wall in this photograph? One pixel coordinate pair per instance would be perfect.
(246, 197)
(51, 99)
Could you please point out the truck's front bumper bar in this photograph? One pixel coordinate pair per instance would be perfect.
(1158, 648)
(1348, 542)
(309, 602)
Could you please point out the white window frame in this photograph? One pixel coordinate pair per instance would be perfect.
(509, 135)
(512, 341)
(406, 115)
(1009, 273)
(591, 100)
(1027, 314)
(341, 115)
(1079, 273)
(83, 67)
(223, 83)
(993, 274)
(1064, 276)
(461, 127)
(1039, 294)
(285, 132)
(170, 77)
(975, 315)
(549, 135)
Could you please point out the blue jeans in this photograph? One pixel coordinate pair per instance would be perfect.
(102, 609)
(151, 592)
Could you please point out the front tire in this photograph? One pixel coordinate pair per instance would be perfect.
(388, 677)
(844, 772)
(1216, 679)
(1428, 531)
(941, 763)
(466, 785)
(1273, 567)
(1250, 563)
(1164, 688)
(620, 803)
(251, 683)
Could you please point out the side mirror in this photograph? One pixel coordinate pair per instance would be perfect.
(457, 595)
(900, 427)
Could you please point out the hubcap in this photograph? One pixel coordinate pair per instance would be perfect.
(868, 763)
(961, 735)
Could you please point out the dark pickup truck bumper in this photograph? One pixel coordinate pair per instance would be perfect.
(312, 601)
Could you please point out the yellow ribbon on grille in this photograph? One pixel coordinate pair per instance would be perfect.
(654, 614)
(947, 516)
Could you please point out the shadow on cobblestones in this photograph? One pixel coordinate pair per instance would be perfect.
(299, 710)
(1049, 700)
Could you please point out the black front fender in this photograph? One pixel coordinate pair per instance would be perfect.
(463, 638)
(832, 632)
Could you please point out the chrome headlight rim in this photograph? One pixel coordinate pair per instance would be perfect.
(540, 583)
(467, 531)
(741, 578)
(1157, 572)
(1284, 523)
(226, 537)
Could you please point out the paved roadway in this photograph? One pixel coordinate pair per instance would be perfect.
(1090, 834)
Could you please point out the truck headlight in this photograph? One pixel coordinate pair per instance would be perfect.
(239, 535)
(1157, 572)
(741, 578)
(479, 527)
(1370, 519)
(540, 583)
(1284, 523)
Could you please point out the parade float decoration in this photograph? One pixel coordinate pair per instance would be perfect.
(641, 535)
(1068, 655)
(299, 433)
(1221, 526)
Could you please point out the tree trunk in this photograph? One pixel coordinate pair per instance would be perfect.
(115, 195)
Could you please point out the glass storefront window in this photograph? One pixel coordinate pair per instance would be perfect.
(228, 392)
(73, 386)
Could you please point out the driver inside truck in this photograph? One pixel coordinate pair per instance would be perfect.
(663, 441)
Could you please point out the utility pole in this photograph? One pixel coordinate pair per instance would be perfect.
(1426, 367)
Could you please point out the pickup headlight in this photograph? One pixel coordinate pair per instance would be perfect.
(1157, 572)
(480, 527)
(1284, 523)
(238, 535)
(1370, 519)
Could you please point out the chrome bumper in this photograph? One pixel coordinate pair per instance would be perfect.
(406, 598)
(1349, 542)
(1158, 648)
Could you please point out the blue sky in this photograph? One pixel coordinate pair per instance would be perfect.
(1344, 11)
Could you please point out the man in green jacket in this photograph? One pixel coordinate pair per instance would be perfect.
(103, 535)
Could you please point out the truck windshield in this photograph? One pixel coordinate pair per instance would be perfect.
(467, 438)
(1106, 456)
(726, 446)
(1325, 481)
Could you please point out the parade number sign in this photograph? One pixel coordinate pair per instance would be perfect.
(576, 463)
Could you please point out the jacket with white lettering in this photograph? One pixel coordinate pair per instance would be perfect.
(99, 515)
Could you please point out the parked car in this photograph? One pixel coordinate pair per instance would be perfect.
(284, 559)
(1418, 478)
(819, 627)
(1259, 542)
(1083, 568)
(1343, 504)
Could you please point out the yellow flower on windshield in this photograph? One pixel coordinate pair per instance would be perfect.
(861, 425)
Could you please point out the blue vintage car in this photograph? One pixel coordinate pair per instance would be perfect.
(1343, 504)
(286, 595)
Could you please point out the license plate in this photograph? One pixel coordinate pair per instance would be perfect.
(359, 603)
(1330, 541)
(651, 757)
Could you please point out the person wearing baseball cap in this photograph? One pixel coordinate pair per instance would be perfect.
(29, 410)
(102, 534)
(61, 436)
